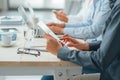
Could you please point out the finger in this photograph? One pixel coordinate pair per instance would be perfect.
(66, 40)
(54, 11)
(47, 36)
(66, 35)
(50, 24)
(70, 39)
(62, 12)
(62, 18)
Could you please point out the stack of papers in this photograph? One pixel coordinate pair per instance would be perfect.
(11, 20)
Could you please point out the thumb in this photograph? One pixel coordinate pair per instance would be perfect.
(55, 12)
(50, 24)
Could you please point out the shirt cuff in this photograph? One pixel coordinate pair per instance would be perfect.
(94, 45)
(68, 31)
(63, 53)
(68, 25)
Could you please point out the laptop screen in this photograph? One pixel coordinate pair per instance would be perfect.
(28, 15)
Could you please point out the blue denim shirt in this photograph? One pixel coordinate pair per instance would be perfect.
(93, 24)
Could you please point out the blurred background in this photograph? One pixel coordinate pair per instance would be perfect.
(7, 7)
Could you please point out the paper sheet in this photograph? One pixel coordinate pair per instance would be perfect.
(43, 26)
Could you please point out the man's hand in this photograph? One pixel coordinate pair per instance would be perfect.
(56, 28)
(52, 44)
(61, 15)
(71, 42)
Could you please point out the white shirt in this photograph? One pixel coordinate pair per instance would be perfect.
(93, 23)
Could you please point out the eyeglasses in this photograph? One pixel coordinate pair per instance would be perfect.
(29, 51)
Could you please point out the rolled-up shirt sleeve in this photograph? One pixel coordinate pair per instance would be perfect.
(74, 18)
(94, 45)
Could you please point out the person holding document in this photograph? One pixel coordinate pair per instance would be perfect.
(104, 56)
(91, 24)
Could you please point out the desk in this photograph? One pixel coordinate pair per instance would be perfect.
(13, 64)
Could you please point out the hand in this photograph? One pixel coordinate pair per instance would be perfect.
(56, 30)
(61, 15)
(71, 42)
(52, 44)
(61, 25)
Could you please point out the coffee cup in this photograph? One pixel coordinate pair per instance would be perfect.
(6, 39)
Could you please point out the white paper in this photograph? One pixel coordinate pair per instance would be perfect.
(44, 27)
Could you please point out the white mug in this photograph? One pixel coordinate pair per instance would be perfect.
(6, 39)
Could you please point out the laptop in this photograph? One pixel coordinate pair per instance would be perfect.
(34, 23)
(30, 19)
(28, 15)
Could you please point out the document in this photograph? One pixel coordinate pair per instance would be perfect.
(44, 27)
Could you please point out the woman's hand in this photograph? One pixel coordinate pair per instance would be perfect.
(71, 42)
(61, 15)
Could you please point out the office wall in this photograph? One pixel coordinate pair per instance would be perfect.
(39, 4)
(2, 77)
(3, 5)
(72, 7)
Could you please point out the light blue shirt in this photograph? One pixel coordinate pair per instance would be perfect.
(94, 22)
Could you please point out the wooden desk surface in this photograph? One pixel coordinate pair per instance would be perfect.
(10, 58)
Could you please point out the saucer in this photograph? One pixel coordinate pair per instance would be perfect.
(8, 45)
